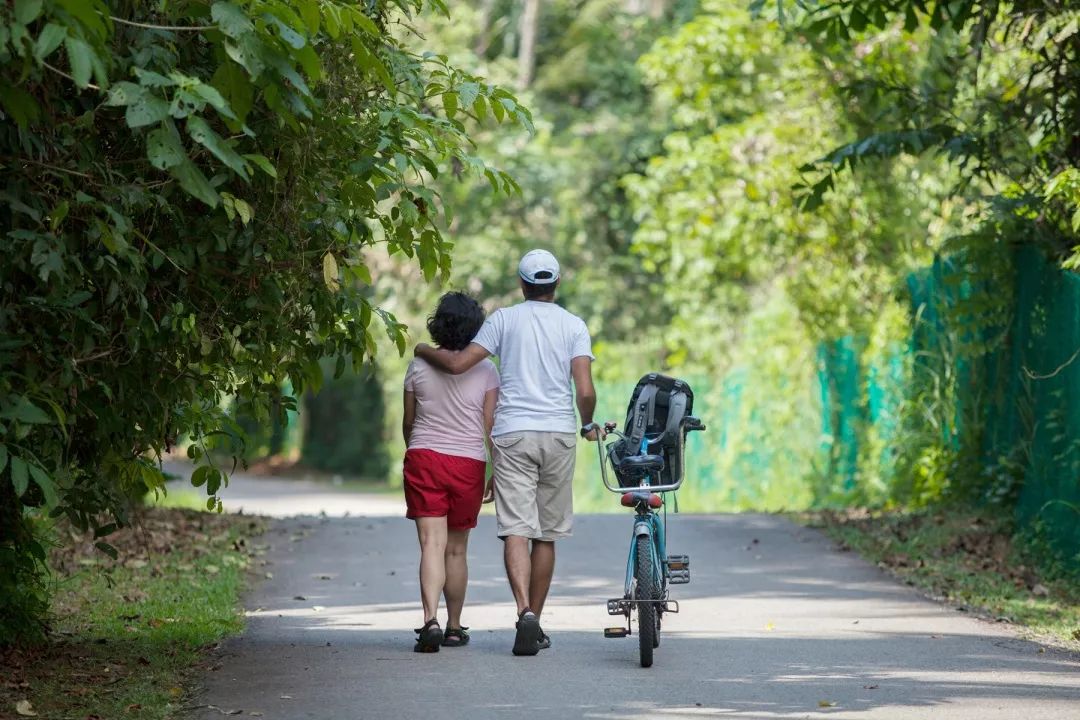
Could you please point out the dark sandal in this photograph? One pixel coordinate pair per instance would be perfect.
(455, 637)
(429, 637)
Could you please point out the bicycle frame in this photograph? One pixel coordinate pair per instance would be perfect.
(647, 522)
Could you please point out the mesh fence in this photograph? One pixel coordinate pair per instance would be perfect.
(1011, 414)
(785, 437)
(1035, 413)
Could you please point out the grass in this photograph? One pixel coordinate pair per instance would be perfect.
(128, 635)
(969, 560)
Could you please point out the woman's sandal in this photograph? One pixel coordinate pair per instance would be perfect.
(455, 637)
(429, 637)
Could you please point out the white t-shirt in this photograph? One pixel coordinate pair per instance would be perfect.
(535, 342)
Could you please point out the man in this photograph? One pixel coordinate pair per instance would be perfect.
(540, 347)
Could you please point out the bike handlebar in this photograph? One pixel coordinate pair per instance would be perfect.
(688, 424)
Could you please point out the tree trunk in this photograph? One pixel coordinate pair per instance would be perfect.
(483, 35)
(530, 21)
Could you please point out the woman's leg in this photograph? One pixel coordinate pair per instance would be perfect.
(432, 534)
(457, 575)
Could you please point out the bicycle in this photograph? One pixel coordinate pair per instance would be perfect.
(649, 570)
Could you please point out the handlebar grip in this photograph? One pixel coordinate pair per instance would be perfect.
(610, 425)
(692, 423)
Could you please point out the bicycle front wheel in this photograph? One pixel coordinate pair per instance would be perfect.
(646, 592)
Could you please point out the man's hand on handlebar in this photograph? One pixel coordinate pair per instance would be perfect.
(594, 432)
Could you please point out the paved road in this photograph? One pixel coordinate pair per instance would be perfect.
(768, 629)
(290, 496)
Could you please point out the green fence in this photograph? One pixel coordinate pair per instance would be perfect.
(1002, 399)
(1036, 410)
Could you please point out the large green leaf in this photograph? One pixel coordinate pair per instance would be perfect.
(52, 35)
(81, 58)
(163, 147)
(19, 477)
(25, 411)
(18, 104)
(146, 110)
(26, 11)
(201, 133)
(48, 487)
(124, 93)
(231, 19)
(195, 183)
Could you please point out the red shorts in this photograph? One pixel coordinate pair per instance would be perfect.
(438, 485)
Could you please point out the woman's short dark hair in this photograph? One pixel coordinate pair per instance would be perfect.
(456, 321)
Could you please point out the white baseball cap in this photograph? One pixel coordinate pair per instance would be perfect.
(538, 267)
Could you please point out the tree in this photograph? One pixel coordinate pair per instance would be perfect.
(189, 195)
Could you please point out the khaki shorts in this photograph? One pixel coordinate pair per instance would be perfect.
(534, 479)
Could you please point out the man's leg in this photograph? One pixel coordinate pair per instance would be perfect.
(518, 569)
(555, 507)
(432, 534)
(542, 567)
(457, 575)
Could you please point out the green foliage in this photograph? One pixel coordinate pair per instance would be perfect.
(190, 191)
(344, 426)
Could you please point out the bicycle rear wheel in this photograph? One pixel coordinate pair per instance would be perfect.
(647, 592)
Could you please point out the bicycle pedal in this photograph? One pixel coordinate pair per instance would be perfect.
(678, 569)
(617, 607)
(616, 632)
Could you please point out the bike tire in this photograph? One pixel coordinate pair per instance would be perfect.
(647, 591)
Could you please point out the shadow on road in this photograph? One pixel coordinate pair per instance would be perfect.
(775, 623)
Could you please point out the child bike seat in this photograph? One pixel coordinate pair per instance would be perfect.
(638, 466)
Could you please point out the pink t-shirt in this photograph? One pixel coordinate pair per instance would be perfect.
(450, 408)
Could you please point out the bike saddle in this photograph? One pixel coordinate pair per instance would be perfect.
(631, 499)
(641, 464)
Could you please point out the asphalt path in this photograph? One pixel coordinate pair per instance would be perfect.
(776, 623)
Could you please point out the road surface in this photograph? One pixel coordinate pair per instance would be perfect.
(776, 623)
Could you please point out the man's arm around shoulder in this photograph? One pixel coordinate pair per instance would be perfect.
(454, 362)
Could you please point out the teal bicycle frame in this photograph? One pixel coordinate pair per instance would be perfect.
(647, 522)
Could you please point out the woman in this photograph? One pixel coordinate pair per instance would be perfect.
(447, 422)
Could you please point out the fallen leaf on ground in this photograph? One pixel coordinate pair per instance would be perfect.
(870, 687)
(1040, 590)
(770, 627)
(176, 691)
(299, 597)
(825, 703)
(24, 708)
